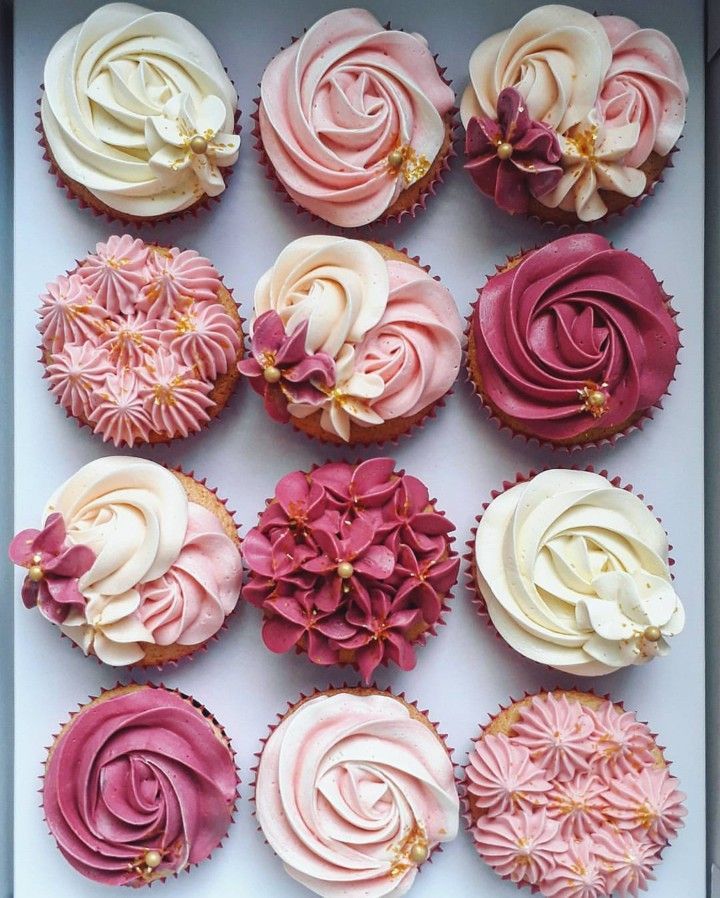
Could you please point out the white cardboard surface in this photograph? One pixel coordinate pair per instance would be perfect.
(465, 672)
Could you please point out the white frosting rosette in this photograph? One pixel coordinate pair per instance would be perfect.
(574, 573)
(353, 793)
(138, 109)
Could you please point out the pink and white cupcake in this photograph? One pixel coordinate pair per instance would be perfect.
(351, 564)
(140, 342)
(136, 564)
(353, 342)
(355, 121)
(569, 794)
(571, 117)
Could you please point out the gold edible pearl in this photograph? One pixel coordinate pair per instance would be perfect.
(35, 573)
(504, 150)
(652, 634)
(345, 570)
(272, 374)
(198, 144)
(395, 159)
(418, 853)
(596, 398)
(152, 859)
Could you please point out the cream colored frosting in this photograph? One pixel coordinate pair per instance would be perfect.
(124, 92)
(574, 570)
(556, 56)
(347, 786)
(133, 514)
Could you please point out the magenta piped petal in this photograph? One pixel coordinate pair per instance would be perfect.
(21, 548)
(280, 635)
(268, 333)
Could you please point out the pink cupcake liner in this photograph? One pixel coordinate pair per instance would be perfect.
(646, 414)
(198, 707)
(159, 442)
(476, 596)
(202, 205)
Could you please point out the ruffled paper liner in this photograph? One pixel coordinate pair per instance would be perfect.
(411, 201)
(476, 596)
(160, 657)
(119, 689)
(421, 639)
(224, 386)
(595, 437)
(504, 718)
(389, 431)
(85, 199)
(413, 709)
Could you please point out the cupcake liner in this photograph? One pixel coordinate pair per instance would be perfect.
(634, 423)
(423, 637)
(214, 413)
(114, 216)
(201, 709)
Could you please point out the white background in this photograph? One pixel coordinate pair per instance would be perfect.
(464, 673)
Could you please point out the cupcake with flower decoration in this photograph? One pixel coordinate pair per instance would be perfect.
(136, 564)
(568, 793)
(353, 342)
(570, 117)
(351, 564)
(140, 342)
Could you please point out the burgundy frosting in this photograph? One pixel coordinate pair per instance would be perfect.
(136, 772)
(574, 315)
(385, 526)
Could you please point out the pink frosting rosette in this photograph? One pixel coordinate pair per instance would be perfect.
(569, 794)
(139, 785)
(351, 115)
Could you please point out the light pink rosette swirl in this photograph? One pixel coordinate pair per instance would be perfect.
(76, 375)
(190, 602)
(69, 314)
(338, 101)
(204, 337)
(353, 793)
(176, 278)
(115, 272)
(645, 85)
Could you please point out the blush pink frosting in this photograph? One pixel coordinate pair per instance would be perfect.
(136, 772)
(338, 101)
(190, 602)
(645, 85)
(415, 347)
(135, 338)
(607, 808)
(573, 313)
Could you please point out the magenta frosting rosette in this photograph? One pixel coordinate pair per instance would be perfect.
(351, 564)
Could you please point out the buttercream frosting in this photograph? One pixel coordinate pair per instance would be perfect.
(573, 318)
(574, 573)
(351, 114)
(136, 773)
(353, 793)
(125, 94)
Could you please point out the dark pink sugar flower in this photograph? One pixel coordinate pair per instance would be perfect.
(53, 569)
(281, 370)
(367, 485)
(297, 619)
(299, 502)
(425, 583)
(420, 526)
(515, 157)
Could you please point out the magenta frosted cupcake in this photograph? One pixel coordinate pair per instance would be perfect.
(570, 116)
(140, 784)
(573, 343)
(569, 794)
(351, 564)
(140, 342)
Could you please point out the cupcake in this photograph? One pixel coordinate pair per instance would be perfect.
(137, 115)
(136, 564)
(351, 564)
(355, 121)
(573, 343)
(140, 342)
(355, 788)
(573, 572)
(570, 117)
(353, 342)
(569, 794)
(139, 785)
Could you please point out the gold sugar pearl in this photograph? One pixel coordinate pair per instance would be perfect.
(596, 398)
(152, 859)
(418, 853)
(345, 570)
(35, 573)
(198, 145)
(272, 374)
(505, 150)
(395, 159)
(652, 634)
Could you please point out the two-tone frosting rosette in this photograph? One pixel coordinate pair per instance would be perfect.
(570, 116)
